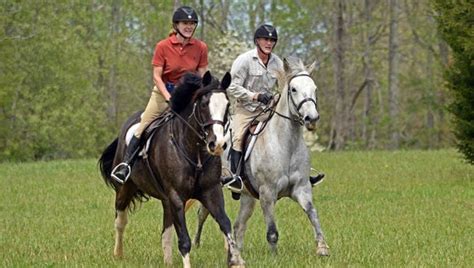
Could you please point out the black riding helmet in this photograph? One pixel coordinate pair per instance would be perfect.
(185, 13)
(266, 31)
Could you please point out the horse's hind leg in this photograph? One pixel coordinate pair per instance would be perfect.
(167, 233)
(123, 198)
(203, 213)
(213, 201)
(305, 199)
(247, 206)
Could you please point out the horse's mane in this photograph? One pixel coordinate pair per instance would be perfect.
(185, 91)
(295, 66)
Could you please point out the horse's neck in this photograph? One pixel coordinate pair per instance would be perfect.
(285, 129)
(183, 132)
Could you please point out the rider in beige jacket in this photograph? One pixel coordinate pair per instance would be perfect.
(254, 76)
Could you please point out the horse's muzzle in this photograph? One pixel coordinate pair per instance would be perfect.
(216, 148)
(310, 123)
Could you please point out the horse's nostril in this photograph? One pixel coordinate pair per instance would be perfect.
(224, 146)
(212, 145)
(307, 118)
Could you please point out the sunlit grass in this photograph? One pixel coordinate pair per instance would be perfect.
(397, 209)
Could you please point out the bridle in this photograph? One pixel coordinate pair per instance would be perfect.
(196, 115)
(299, 118)
(201, 132)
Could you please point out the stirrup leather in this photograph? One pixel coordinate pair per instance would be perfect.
(232, 188)
(129, 170)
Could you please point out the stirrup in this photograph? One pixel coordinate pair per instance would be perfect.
(232, 188)
(119, 180)
(318, 174)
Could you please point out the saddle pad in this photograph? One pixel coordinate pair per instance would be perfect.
(131, 132)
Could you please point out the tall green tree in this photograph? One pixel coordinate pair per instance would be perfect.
(456, 24)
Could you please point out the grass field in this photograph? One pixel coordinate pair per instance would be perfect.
(378, 209)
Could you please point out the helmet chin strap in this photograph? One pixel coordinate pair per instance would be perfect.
(185, 38)
(261, 50)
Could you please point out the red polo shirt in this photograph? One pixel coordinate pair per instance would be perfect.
(177, 59)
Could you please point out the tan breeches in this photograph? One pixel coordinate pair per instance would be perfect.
(240, 122)
(156, 105)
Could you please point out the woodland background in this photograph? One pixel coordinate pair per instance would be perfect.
(72, 71)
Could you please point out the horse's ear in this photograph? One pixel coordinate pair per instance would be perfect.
(286, 65)
(207, 78)
(225, 83)
(314, 66)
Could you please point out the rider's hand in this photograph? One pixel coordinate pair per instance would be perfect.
(265, 97)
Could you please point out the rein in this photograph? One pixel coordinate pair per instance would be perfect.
(199, 133)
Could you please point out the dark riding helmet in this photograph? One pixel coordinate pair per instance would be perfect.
(185, 13)
(266, 31)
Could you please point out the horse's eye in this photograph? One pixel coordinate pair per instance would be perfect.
(293, 90)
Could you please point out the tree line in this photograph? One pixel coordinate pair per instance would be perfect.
(71, 72)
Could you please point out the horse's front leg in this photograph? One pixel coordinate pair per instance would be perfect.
(123, 197)
(213, 201)
(267, 202)
(167, 233)
(304, 197)
(179, 222)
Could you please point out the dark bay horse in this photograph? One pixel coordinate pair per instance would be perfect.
(182, 163)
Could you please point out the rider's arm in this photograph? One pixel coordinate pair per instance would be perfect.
(157, 78)
(202, 70)
(203, 60)
(239, 73)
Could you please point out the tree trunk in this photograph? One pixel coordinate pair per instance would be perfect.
(393, 69)
(176, 4)
(368, 129)
(339, 118)
(112, 56)
(202, 22)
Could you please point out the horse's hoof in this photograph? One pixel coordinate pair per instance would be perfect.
(236, 262)
(118, 255)
(322, 251)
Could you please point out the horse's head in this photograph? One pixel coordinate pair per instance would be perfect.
(301, 92)
(211, 109)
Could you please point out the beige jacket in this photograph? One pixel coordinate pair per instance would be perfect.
(250, 77)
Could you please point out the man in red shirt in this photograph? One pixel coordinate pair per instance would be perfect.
(173, 57)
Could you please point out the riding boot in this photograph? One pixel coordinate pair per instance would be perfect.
(122, 171)
(234, 182)
(315, 180)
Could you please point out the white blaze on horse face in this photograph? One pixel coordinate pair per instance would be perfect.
(218, 107)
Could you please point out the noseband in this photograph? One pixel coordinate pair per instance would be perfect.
(298, 106)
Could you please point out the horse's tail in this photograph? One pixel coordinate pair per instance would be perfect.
(106, 162)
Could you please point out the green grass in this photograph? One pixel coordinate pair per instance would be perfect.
(395, 209)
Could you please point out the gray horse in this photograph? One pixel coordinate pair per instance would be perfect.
(279, 164)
